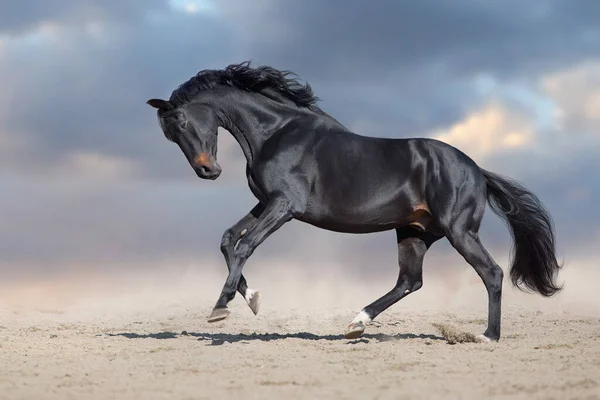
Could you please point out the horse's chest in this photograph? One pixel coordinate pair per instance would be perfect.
(256, 188)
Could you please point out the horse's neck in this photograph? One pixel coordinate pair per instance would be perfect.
(250, 146)
(252, 122)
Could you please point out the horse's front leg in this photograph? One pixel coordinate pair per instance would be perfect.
(276, 213)
(228, 242)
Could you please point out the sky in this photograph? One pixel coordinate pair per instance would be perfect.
(88, 181)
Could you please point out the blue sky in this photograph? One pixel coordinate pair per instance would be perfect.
(88, 182)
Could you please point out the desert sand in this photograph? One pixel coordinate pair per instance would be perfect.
(147, 338)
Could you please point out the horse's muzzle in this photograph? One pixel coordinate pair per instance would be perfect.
(206, 166)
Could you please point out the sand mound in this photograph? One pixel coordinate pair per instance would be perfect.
(453, 335)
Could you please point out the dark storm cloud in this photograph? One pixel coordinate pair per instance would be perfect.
(90, 94)
(357, 38)
(423, 54)
(395, 69)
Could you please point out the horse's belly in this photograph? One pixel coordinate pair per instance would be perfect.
(372, 216)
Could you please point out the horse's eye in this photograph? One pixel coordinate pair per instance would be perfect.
(183, 124)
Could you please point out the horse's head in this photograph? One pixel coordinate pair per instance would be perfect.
(193, 128)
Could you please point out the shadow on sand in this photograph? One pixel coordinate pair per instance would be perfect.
(217, 339)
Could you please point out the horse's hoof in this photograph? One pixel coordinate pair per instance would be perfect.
(483, 339)
(354, 330)
(253, 300)
(218, 314)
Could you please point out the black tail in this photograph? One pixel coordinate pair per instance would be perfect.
(534, 263)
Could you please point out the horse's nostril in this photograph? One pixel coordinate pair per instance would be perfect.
(205, 170)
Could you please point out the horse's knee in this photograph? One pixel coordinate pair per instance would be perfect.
(410, 283)
(410, 259)
(227, 240)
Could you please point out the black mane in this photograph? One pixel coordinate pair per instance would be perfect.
(242, 76)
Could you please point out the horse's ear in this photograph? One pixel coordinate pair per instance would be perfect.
(160, 104)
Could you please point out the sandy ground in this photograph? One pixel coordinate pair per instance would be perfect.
(76, 341)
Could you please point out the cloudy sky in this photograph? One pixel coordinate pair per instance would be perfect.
(89, 183)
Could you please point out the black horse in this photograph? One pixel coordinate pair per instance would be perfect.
(303, 164)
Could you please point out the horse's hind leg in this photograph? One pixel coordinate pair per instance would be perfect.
(467, 243)
(412, 246)
(461, 223)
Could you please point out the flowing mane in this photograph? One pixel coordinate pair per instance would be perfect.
(242, 76)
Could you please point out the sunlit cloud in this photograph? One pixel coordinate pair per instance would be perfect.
(492, 128)
(576, 92)
(539, 106)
